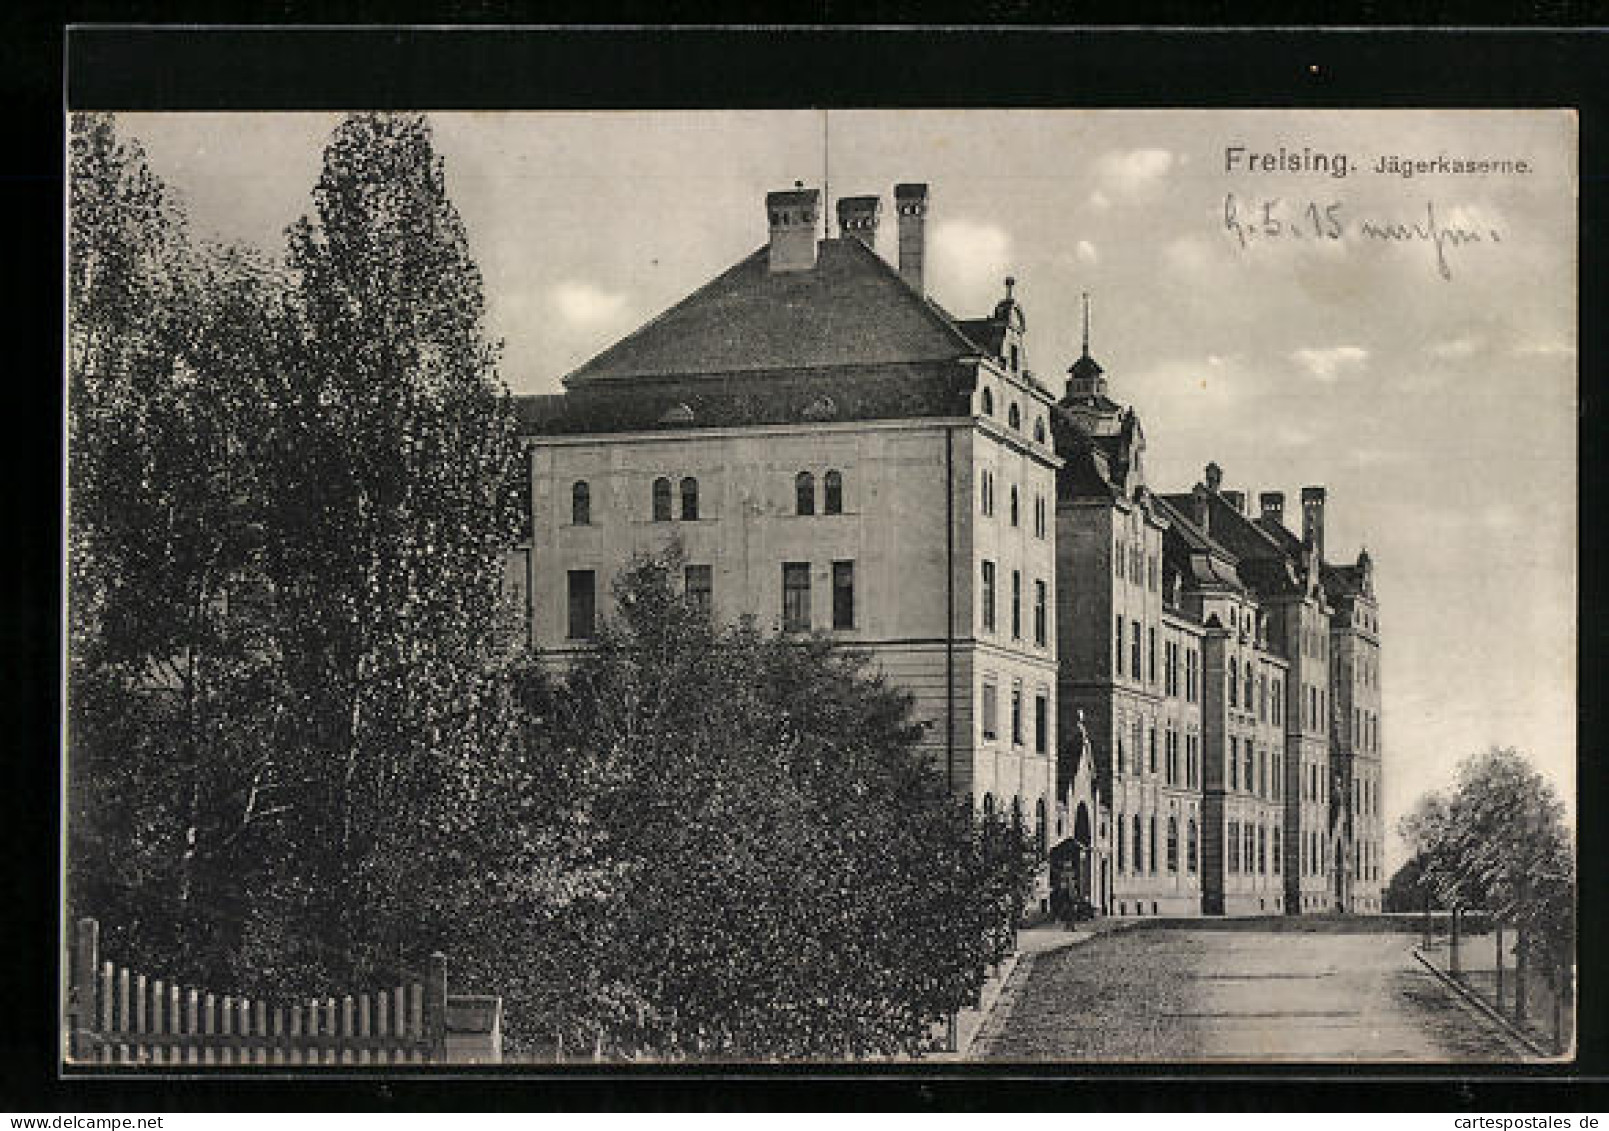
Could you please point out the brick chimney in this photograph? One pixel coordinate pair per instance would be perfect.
(910, 201)
(1236, 499)
(1201, 509)
(792, 216)
(1273, 506)
(1215, 477)
(858, 216)
(1313, 518)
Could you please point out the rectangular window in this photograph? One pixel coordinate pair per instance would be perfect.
(1016, 604)
(1041, 724)
(1134, 652)
(1016, 715)
(990, 720)
(1234, 763)
(1150, 656)
(1040, 613)
(699, 584)
(796, 596)
(1119, 652)
(1151, 756)
(843, 594)
(583, 604)
(988, 596)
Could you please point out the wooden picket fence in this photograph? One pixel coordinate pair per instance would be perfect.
(116, 1016)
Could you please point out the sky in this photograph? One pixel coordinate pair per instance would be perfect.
(1438, 408)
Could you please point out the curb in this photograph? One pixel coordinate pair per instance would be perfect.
(1005, 1001)
(1465, 995)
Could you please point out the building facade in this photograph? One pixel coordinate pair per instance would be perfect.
(1180, 698)
(832, 452)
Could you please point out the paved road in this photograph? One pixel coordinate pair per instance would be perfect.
(1239, 995)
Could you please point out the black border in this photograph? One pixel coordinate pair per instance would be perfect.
(323, 68)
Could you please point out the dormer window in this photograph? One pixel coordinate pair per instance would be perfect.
(988, 401)
(1039, 430)
(1015, 357)
(1014, 416)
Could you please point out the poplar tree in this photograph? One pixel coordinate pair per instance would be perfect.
(390, 450)
(168, 681)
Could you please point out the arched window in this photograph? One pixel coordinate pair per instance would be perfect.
(1139, 833)
(834, 488)
(1274, 850)
(1152, 846)
(1013, 504)
(1234, 684)
(988, 806)
(1173, 844)
(988, 401)
(1016, 812)
(1191, 838)
(662, 499)
(690, 499)
(581, 503)
(1014, 415)
(1041, 830)
(804, 493)
(1039, 429)
(1122, 841)
(1262, 849)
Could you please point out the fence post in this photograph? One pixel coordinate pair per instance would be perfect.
(1521, 969)
(1452, 951)
(436, 1006)
(1497, 928)
(81, 999)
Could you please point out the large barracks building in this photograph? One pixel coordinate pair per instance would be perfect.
(1180, 698)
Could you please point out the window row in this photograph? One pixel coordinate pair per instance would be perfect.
(1132, 563)
(1314, 783)
(1315, 854)
(1365, 730)
(1253, 769)
(989, 715)
(1365, 862)
(1013, 413)
(1251, 849)
(699, 588)
(666, 495)
(1041, 609)
(986, 504)
(1137, 845)
(1041, 825)
(1249, 691)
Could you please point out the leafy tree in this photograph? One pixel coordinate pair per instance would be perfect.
(390, 448)
(1499, 839)
(781, 871)
(1408, 888)
(168, 685)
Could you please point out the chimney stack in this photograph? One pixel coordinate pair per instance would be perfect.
(858, 216)
(1313, 518)
(1201, 509)
(792, 215)
(910, 201)
(1236, 499)
(1273, 506)
(1215, 477)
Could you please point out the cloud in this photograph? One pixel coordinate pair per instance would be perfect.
(1134, 170)
(972, 259)
(1099, 200)
(585, 305)
(1328, 364)
(1086, 252)
(1455, 348)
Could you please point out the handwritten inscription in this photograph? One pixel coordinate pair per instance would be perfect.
(1270, 219)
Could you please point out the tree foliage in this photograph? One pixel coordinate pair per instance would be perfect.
(1498, 839)
(779, 870)
(305, 749)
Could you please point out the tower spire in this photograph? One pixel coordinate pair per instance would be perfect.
(1086, 323)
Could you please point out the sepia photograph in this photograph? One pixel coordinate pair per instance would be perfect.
(831, 587)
